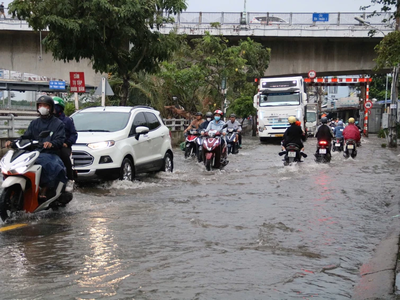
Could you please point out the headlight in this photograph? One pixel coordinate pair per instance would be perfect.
(101, 145)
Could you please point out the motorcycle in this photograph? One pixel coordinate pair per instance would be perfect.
(191, 146)
(337, 144)
(350, 148)
(323, 152)
(213, 155)
(21, 181)
(292, 154)
(232, 141)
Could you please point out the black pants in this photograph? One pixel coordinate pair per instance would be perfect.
(65, 155)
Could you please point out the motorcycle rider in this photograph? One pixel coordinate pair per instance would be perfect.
(70, 138)
(196, 122)
(294, 135)
(234, 124)
(338, 131)
(209, 117)
(324, 133)
(53, 169)
(218, 124)
(351, 131)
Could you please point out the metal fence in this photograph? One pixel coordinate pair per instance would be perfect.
(10, 125)
(235, 18)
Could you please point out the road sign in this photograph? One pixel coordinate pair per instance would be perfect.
(320, 17)
(77, 82)
(312, 74)
(107, 88)
(57, 85)
(368, 105)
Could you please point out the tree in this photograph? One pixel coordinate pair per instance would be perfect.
(118, 36)
(388, 56)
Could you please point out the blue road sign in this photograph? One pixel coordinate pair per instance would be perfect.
(320, 17)
(57, 85)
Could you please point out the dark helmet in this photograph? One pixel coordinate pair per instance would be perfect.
(46, 100)
(324, 120)
(199, 113)
(209, 114)
(232, 116)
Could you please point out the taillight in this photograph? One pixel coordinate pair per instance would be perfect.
(323, 142)
(170, 134)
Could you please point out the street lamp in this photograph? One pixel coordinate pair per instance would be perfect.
(243, 20)
(368, 24)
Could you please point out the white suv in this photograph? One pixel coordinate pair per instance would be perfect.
(116, 142)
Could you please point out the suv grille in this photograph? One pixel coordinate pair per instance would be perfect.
(81, 158)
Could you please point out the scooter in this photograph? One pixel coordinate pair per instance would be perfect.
(191, 146)
(323, 153)
(232, 141)
(337, 144)
(292, 154)
(213, 155)
(350, 148)
(21, 181)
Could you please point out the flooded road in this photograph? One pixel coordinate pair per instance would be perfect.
(256, 230)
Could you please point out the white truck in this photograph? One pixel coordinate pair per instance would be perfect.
(311, 118)
(278, 99)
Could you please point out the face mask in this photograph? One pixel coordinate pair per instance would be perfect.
(217, 118)
(208, 119)
(43, 111)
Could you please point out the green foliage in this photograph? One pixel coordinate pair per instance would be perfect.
(115, 35)
(388, 50)
(243, 107)
(377, 88)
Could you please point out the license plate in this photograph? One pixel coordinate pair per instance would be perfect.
(337, 145)
(278, 135)
(292, 154)
(322, 151)
(350, 146)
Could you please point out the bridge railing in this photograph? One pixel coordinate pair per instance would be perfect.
(234, 18)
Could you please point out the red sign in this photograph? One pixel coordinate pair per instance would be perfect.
(368, 104)
(77, 82)
(312, 74)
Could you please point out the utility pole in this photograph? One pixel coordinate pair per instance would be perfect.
(394, 93)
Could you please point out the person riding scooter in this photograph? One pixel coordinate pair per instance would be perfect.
(294, 135)
(218, 124)
(234, 124)
(351, 131)
(70, 138)
(324, 133)
(53, 170)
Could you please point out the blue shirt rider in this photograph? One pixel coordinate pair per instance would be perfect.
(338, 131)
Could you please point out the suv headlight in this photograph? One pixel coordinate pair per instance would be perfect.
(101, 145)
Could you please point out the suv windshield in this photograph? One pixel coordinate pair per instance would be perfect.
(280, 99)
(101, 121)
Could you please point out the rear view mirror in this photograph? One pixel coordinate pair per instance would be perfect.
(141, 130)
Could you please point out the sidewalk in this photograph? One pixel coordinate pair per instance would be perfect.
(378, 275)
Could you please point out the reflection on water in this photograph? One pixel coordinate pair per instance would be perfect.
(255, 230)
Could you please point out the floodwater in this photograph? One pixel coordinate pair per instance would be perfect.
(256, 230)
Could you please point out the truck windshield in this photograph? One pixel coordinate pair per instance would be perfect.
(311, 116)
(279, 99)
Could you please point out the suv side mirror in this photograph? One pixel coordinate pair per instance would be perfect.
(141, 130)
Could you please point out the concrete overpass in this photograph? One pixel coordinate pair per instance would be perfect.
(338, 45)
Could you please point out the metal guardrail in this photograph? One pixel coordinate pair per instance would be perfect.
(176, 124)
(11, 124)
(235, 18)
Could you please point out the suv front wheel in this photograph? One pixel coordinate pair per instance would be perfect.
(127, 171)
(168, 163)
